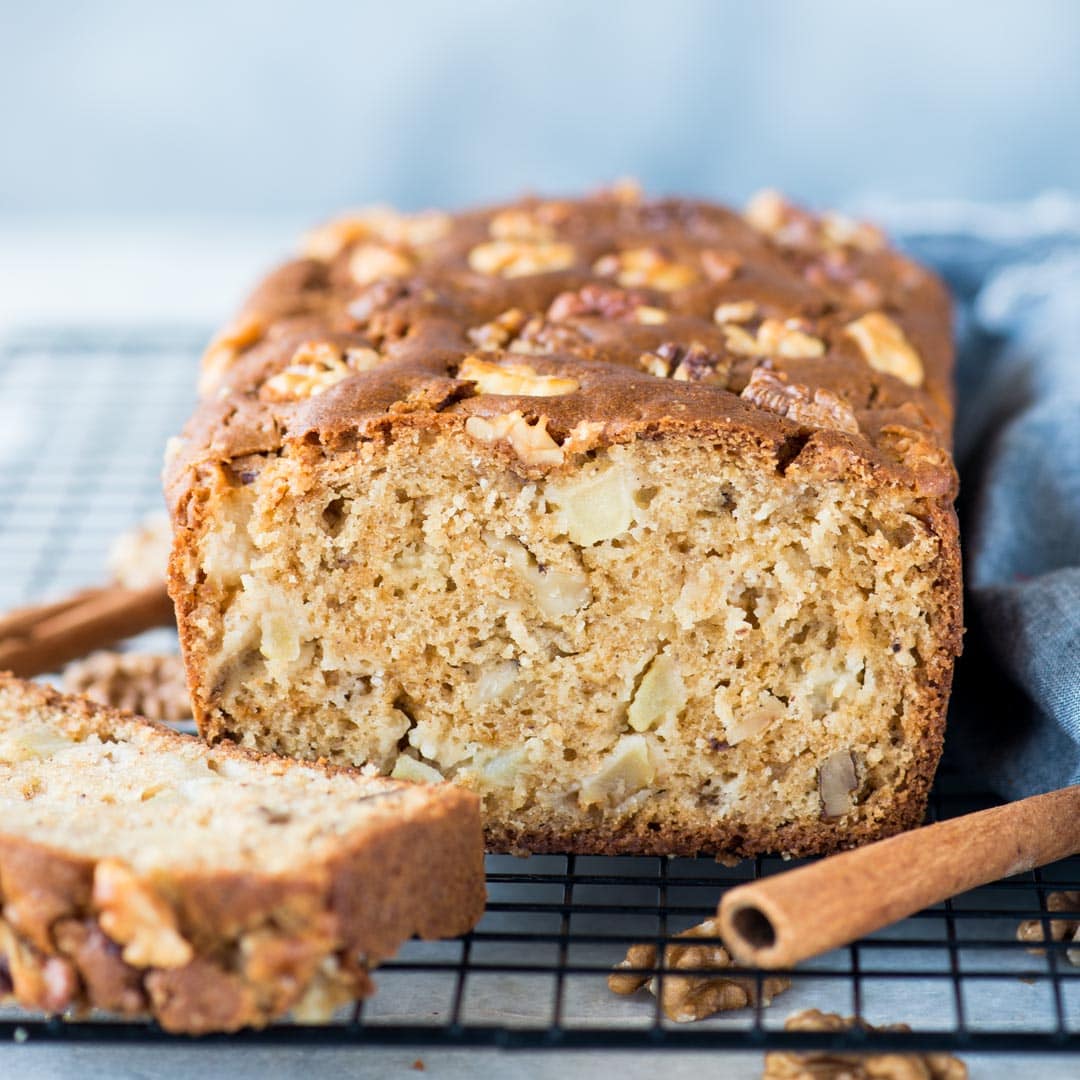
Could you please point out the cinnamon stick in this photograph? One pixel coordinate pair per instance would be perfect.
(776, 922)
(37, 640)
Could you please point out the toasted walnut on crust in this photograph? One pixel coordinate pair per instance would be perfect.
(685, 998)
(792, 227)
(153, 686)
(376, 261)
(827, 1065)
(133, 915)
(1033, 931)
(886, 348)
(687, 363)
(379, 223)
(314, 368)
(513, 378)
(521, 258)
(596, 301)
(649, 267)
(772, 390)
(775, 337)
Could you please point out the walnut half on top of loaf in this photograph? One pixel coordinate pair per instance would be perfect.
(633, 517)
(212, 888)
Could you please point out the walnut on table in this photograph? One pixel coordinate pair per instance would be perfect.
(1032, 930)
(151, 685)
(693, 997)
(829, 1065)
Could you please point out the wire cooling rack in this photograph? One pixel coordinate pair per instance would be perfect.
(83, 420)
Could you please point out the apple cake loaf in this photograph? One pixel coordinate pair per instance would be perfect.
(144, 872)
(633, 517)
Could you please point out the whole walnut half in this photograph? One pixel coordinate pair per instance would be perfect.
(689, 997)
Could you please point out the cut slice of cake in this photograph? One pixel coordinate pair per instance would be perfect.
(213, 888)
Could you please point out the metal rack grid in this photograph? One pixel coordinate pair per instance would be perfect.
(533, 973)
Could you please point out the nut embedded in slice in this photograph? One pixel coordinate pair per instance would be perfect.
(595, 507)
(838, 780)
(661, 694)
(531, 442)
(409, 768)
(627, 770)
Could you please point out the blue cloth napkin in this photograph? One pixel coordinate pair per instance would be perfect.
(1015, 275)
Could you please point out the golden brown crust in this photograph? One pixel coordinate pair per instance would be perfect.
(415, 330)
(262, 944)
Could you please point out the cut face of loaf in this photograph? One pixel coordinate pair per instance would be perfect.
(141, 871)
(652, 549)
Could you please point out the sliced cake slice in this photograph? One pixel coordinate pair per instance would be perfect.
(212, 888)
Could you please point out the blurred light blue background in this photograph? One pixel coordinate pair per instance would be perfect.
(292, 110)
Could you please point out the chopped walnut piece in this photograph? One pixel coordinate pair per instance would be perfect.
(531, 442)
(886, 348)
(1032, 931)
(626, 770)
(596, 300)
(140, 557)
(694, 997)
(775, 337)
(152, 686)
(375, 261)
(735, 311)
(498, 333)
(831, 1065)
(38, 981)
(513, 378)
(646, 267)
(935, 473)
(408, 767)
(660, 694)
(519, 258)
(771, 390)
(134, 916)
(720, 266)
(226, 348)
(686, 363)
(625, 190)
(791, 226)
(314, 368)
(377, 222)
(838, 780)
(839, 230)
(520, 224)
(558, 593)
